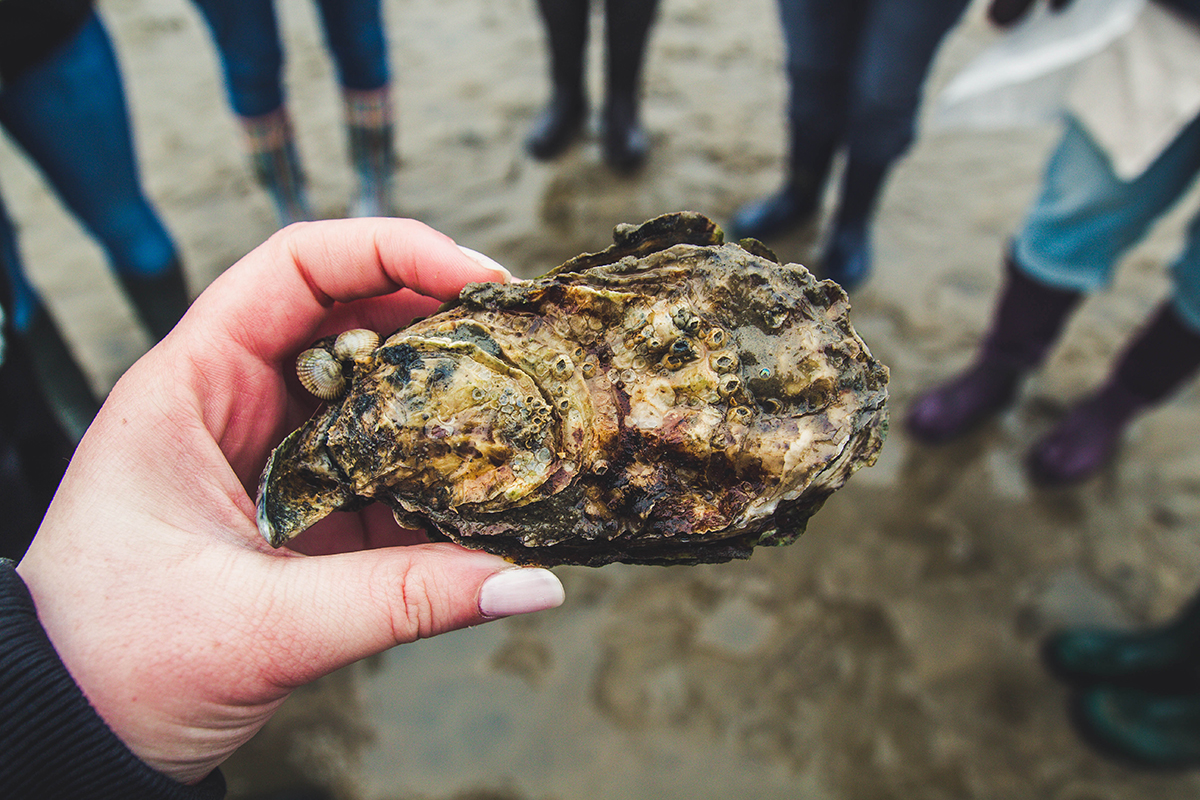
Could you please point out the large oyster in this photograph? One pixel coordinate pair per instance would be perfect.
(669, 400)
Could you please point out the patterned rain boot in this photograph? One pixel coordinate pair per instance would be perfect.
(276, 164)
(370, 133)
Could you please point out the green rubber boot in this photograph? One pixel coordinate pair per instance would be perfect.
(1139, 727)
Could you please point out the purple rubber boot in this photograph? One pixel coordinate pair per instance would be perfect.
(1027, 321)
(1164, 355)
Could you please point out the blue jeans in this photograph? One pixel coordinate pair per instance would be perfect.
(856, 69)
(247, 36)
(68, 114)
(1086, 218)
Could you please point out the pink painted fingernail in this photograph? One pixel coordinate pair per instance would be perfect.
(489, 263)
(520, 591)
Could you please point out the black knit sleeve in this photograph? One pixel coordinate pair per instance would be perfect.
(52, 742)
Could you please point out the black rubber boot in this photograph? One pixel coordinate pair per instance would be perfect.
(1027, 321)
(66, 388)
(627, 29)
(1164, 658)
(160, 300)
(562, 120)
(1148, 729)
(797, 202)
(34, 449)
(1164, 355)
(847, 257)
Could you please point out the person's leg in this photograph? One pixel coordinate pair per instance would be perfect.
(627, 29)
(1028, 318)
(354, 30)
(1082, 222)
(898, 44)
(30, 331)
(821, 38)
(246, 34)
(69, 114)
(1163, 356)
(566, 23)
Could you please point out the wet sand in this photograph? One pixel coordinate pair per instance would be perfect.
(892, 651)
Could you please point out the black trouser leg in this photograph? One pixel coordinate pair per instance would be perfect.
(566, 24)
(627, 30)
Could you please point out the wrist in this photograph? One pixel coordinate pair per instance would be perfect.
(53, 743)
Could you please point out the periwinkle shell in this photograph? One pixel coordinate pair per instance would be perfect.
(669, 400)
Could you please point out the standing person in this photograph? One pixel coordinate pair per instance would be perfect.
(855, 70)
(246, 33)
(627, 29)
(62, 102)
(1084, 221)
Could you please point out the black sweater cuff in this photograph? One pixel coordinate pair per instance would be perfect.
(53, 744)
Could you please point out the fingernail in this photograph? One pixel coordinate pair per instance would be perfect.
(485, 261)
(520, 591)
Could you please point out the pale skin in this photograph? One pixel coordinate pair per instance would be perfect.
(183, 627)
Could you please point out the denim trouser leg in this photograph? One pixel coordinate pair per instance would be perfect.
(1086, 218)
(247, 37)
(856, 68)
(355, 34)
(68, 114)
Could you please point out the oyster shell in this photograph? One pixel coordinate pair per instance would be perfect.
(671, 399)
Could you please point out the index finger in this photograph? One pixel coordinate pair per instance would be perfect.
(275, 298)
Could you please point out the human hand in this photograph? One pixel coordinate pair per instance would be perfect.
(183, 627)
(1006, 13)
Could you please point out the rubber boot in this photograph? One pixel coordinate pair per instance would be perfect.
(369, 131)
(1027, 321)
(847, 257)
(627, 29)
(276, 164)
(62, 380)
(160, 300)
(1163, 658)
(1163, 356)
(1144, 728)
(34, 449)
(797, 202)
(562, 120)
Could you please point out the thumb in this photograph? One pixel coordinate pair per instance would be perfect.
(345, 607)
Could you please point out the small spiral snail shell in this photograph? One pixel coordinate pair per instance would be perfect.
(356, 344)
(321, 373)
